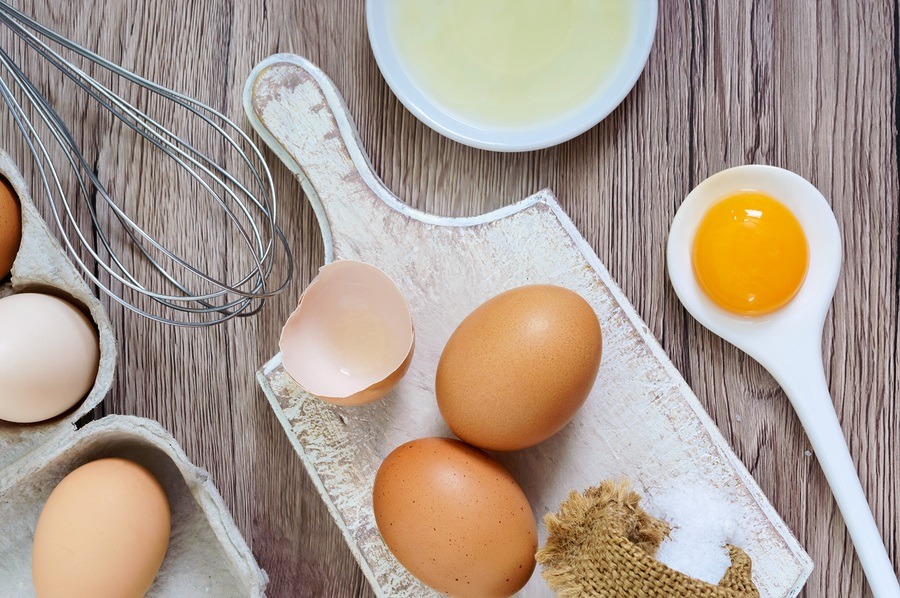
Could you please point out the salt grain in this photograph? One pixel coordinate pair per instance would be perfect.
(701, 527)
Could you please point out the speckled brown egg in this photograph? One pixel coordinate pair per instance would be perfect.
(519, 367)
(10, 227)
(455, 518)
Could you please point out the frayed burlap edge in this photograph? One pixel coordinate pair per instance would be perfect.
(601, 543)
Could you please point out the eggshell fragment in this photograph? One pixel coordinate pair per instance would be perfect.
(10, 227)
(103, 531)
(49, 355)
(455, 518)
(351, 338)
(519, 367)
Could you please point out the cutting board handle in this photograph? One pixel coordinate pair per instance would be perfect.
(300, 114)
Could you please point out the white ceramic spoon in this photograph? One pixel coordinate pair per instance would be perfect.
(788, 343)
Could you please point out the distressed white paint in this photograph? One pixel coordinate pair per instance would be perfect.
(640, 421)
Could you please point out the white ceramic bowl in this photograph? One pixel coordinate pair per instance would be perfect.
(506, 140)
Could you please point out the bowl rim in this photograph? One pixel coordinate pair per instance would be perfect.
(541, 136)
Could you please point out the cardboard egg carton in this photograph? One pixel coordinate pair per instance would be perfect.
(42, 266)
(206, 553)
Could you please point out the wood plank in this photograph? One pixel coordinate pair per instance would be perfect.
(807, 86)
(810, 88)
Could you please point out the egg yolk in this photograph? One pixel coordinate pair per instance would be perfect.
(750, 254)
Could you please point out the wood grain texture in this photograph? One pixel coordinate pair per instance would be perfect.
(811, 87)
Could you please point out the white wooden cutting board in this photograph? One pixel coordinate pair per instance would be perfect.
(641, 420)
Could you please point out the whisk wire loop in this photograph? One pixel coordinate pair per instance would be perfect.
(252, 215)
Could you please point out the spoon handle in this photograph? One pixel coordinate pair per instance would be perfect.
(808, 392)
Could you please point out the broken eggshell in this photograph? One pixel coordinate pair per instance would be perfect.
(351, 338)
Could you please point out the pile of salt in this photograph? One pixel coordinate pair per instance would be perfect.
(701, 527)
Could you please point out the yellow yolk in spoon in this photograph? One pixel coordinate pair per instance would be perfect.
(750, 254)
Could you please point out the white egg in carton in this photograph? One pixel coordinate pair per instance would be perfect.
(206, 553)
(42, 266)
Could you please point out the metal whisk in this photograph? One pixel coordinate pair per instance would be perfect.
(182, 292)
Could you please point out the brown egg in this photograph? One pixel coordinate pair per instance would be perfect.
(517, 368)
(10, 227)
(104, 531)
(455, 518)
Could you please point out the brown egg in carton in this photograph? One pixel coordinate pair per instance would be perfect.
(206, 552)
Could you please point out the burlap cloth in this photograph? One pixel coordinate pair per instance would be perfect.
(601, 543)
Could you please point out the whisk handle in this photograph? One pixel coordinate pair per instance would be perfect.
(299, 113)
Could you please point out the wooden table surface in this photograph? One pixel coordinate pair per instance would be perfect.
(811, 87)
